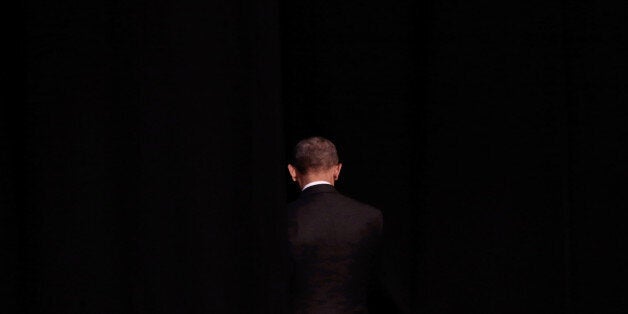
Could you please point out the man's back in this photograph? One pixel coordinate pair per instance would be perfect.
(333, 243)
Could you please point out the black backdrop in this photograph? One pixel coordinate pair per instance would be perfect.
(144, 172)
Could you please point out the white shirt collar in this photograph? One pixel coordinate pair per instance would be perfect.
(314, 183)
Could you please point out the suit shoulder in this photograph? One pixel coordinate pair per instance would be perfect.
(294, 205)
(367, 209)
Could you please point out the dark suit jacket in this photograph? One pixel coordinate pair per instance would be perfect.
(334, 242)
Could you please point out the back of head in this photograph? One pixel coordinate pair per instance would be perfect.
(314, 154)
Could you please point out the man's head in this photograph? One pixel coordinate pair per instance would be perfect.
(314, 159)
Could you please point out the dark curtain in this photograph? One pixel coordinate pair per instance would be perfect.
(148, 169)
(490, 135)
(143, 171)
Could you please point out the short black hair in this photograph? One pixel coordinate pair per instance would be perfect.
(314, 153)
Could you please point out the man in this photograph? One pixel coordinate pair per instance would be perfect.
(333, 239)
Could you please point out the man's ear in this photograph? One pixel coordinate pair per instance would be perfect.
(337, 171)
(293, 172)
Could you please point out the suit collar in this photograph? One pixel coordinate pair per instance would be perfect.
(319, 188)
